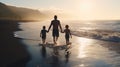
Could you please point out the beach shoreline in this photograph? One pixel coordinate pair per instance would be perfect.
(84, 51)
(13, 53)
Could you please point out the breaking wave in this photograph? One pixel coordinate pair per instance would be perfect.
(105, 35)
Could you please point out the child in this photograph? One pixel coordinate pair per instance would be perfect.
(67, 34)
(43, 34)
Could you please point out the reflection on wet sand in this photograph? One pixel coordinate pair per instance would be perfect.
(55, 60)
(84, 52)
(112, 46)
(67, 56)
(98, 53)
(83, 47)
(43, 51)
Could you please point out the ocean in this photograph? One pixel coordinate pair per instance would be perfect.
(94, 44)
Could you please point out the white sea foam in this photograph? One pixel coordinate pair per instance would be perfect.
(105, 35)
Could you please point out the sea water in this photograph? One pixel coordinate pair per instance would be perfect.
(94, 44)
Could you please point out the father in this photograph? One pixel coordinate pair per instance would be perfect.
(55, 32)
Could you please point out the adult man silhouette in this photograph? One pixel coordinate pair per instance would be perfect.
(56, 25)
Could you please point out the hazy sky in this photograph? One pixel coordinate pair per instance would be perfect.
(82, 9)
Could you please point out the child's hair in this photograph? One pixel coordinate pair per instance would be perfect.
(66, 26)
(44, 27)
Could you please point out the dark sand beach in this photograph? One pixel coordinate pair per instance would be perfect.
(12, 51)
(25, 51)
(84, 52)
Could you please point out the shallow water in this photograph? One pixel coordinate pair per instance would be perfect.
(85, 52)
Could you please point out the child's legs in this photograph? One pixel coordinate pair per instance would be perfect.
(43, 41)
(67, 41)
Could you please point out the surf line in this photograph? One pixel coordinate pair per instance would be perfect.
(28, 39)
(16, 36)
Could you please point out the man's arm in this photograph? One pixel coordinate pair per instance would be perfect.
(60, 26)
(49, 26)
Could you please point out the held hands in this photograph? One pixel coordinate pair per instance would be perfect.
(62, 31)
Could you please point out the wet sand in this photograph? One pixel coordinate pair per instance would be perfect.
(84, 52)
(13, 53)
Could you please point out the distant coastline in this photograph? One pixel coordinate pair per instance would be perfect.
(9, 13)
(5, 20)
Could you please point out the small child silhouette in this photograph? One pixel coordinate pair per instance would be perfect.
(43, 34)
(67, 34)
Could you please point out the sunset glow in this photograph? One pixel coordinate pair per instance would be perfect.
(86, 6)
(77, 9)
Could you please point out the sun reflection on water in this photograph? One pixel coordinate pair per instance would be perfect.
(82, 65)
(84, 43)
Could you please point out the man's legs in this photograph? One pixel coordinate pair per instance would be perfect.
(54, 39)
(55, 35)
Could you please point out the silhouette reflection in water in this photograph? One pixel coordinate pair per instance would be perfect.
(55, 60)
(43, 51)
(67, 55)
(55, 51)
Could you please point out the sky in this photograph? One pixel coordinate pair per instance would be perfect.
(79, 9)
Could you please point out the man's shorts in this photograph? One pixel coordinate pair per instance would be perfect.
(55, 33)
